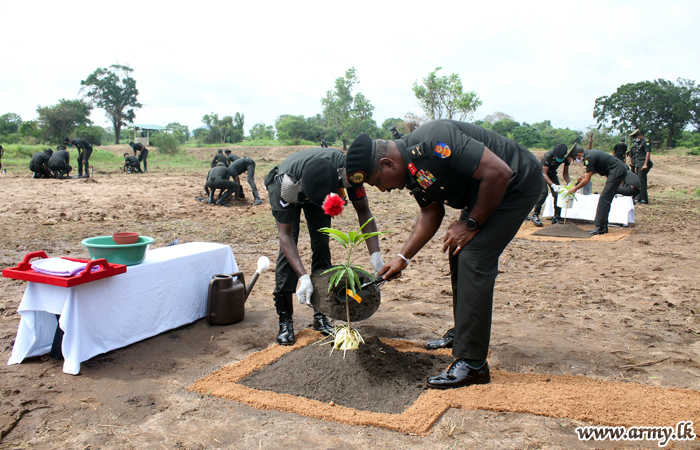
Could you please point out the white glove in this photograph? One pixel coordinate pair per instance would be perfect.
(305, 290)
(556, 188)
(377, 262)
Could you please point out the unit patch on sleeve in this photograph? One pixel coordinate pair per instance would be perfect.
(425, 178)
(585, 161)
(442, 150)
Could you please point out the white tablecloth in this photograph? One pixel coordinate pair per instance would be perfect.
(621, 209)
(169, 289)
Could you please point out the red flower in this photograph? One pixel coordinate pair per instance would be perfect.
(333, 205)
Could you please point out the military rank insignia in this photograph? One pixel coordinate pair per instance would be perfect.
(356, 177)
(412, 168)
(425, 178)
(442, 150)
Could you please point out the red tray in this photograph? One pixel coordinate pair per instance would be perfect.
(24, 271)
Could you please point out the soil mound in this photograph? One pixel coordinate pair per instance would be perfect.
(568, 230)
(376, 377)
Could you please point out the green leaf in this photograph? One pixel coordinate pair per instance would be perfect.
(343, 243)
(343, 238)
(352, 236)
(365, 224)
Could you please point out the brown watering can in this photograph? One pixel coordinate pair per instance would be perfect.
(228, 294)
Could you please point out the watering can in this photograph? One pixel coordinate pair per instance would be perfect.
(228, 294)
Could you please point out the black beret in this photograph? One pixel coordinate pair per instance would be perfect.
(131, 143)
(318, 179)
(126, 154)
(227, 151)
(65, 140)
(60, 147)
(559, 151)
(360, 159)
(219, 151)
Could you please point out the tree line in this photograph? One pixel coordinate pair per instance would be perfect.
(665, 110)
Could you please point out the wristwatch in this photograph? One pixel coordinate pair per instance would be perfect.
(472, 224)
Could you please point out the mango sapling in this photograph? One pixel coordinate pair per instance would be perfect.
(346, 337)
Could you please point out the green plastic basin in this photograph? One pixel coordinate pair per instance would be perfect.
(127, 254)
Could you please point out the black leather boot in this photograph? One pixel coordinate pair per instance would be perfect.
(536, 220)
(444, 342)
(222, 199)
(557, 216)
(599, 229)
(211, 196)
(322, 324)
(285, 311)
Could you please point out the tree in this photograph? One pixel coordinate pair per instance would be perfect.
(260, 131)
(59, 121)
(181, 133)
(413, 121)
(526, 135)
(495, 117)
(10, 123)
(219, 129)
(343, 110)
(661, 108)
(505, 126)
(292, 128)
(443, 96)
(114, 90)
(238, 122)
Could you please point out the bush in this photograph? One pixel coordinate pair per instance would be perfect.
(694, 152)
(166, 143)
(92, 134)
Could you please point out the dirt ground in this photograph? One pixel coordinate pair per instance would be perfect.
(627, 310)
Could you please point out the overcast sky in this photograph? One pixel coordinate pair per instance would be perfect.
(533, 60)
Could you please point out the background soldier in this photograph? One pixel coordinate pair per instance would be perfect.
(2, 152)
(241, 165)
(604, 164)
(84, 152)
(620, 150)
(143, 155)
(218, 178)
(131, 163)
(551, 160)
(59, 163)
(219, 158)
(395, 133)
(642, 163)
(230, 158)
(39, 164)
(301, 183)
(321, 141)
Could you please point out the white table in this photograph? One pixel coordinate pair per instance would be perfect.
(621, 209)
(169, 289)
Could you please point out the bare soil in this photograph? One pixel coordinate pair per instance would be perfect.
(621, 310)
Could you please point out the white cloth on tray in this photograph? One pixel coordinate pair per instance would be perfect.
(585, 206)
(168, 290)
(60, 267)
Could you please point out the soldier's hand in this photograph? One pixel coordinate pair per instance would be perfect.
(377, 262)
(457, 236)
(305, 290)
(392, 269)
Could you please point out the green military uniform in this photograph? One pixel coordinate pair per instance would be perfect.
(219, 158)
(441, 158)
(608, 166)
(630, 185)
(59, 163)
(641, 149)
(39, 164)
(548, 160)
(246, 164)
(84, 152)
(133, 162)
(620, 151)
(143, 155)
(284, 185)
(218, 178)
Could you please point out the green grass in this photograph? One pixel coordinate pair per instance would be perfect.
(256, 143)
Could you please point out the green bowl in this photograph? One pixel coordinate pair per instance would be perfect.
(127, 254)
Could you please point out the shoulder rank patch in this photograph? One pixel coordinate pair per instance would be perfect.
(357, 177)
(425, 178)
(412, 168)
(442, 150)
(585, 161)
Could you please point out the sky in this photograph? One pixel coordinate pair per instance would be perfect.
(537, 60)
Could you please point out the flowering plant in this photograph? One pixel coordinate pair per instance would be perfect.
(333, 205)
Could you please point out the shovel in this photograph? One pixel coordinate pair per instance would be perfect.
(363, 292)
